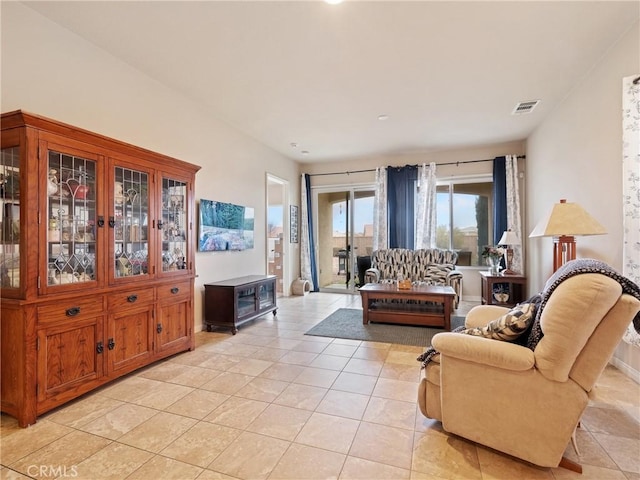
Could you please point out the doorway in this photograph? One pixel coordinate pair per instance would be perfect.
(344, 236)
(277, 228)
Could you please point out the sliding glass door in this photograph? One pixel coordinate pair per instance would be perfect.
(344, 236)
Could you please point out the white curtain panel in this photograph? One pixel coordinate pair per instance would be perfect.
(305, 250)
(631, 187)
(514, 219)
(426, 215)
(380, 238)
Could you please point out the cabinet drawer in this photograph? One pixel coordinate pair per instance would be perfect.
(173, 290)
(71, 309)
(132, 297)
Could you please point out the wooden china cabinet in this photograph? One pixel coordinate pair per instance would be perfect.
(96, 261)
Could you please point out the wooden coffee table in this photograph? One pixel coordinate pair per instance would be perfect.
(436, 315)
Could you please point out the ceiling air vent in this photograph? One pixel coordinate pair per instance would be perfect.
(525, 107)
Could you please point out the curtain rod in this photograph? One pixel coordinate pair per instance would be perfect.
(348, 172)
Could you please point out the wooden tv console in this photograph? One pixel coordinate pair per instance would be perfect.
(230, 303)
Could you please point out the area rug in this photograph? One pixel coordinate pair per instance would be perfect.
(347, 323)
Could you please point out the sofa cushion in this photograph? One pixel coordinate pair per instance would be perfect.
(437, 274)
(509, 326)
(393, 263)
(436, 255)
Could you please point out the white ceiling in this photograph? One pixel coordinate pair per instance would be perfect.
(448, 74)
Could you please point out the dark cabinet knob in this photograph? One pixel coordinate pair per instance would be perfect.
(132, 298)
(112, 222)
(73, 311)
(99, 347)
(100, 221)
(159, 328)
(111, 344)
(175, 290)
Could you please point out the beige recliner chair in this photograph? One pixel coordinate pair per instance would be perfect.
(527, 403)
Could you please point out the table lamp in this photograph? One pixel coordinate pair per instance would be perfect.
(508, 239)
(563, 223)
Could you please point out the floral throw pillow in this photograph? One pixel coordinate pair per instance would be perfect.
(509, 326)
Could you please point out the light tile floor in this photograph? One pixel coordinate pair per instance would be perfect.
(272, 403)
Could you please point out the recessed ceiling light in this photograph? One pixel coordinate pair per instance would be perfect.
(293, 145)
(383, 117)
(333, 2)
(304, 152)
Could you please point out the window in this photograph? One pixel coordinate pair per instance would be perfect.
(464, 217)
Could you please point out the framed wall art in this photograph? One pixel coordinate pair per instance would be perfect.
(293, 224)
(225, 226)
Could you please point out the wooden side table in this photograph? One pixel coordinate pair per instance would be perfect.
(516, 285)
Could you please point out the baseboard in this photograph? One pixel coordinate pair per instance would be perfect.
(470, 298)
(627, 370)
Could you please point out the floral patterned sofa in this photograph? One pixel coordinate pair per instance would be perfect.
(432, 266)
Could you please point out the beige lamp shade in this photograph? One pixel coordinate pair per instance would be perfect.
(564, 222)
(567, 219)
(509, 238)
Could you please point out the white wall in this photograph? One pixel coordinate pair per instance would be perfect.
(50, 71)
(577, 154)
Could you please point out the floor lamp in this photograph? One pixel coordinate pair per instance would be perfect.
(564, 222)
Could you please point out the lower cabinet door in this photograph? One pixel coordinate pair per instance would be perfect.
(173, 326)
(70, 360)
(129, 342)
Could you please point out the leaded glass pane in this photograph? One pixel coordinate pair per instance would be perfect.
(10, 217)
(71, 223)
(131, 229)
(174, 231)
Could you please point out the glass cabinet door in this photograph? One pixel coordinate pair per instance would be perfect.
(174, 226)
(71, 219)
(267, 295)
(10, 218)
(246, 302)
(130, 223)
